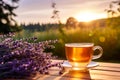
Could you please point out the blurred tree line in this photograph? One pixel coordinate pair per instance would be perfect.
(7, 22)
(40, 27)
(71, 22)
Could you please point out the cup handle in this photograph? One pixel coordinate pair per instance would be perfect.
(100, 53)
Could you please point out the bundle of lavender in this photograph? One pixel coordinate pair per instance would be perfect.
(21, 58)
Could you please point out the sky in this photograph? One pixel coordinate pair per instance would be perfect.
(34, 11)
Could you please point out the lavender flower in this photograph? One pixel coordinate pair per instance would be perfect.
(24, 58)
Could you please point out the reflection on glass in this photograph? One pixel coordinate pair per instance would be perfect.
(77, 75)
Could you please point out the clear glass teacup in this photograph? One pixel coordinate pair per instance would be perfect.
(80, 55)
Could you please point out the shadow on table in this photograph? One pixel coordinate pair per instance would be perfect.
(76, 75)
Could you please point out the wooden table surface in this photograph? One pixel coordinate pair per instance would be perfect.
(105, 71)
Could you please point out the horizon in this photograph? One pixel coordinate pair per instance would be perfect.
(41, 11)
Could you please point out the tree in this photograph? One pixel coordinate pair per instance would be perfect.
(7, 23)
(71, 22)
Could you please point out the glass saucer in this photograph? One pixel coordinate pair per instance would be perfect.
(67, 66)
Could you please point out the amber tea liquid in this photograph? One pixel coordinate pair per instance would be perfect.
(79, 54)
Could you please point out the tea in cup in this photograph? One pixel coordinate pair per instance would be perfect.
(80, 55)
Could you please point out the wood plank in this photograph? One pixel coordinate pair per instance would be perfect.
(93, 74)
(105, 71)
(102, 64)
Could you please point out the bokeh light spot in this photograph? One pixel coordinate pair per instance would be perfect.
(102, 39)
(90, 34)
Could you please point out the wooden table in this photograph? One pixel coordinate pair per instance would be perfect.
(105, 71)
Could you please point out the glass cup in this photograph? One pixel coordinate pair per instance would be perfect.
(80, 55)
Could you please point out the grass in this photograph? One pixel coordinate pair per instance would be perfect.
(107, 38)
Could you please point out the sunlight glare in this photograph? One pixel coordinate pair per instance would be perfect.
(87, 16)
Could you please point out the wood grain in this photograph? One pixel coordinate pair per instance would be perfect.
(105, 71)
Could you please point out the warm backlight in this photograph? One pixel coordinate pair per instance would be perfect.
(87, 16)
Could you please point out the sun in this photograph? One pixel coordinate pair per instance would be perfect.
(87, 16)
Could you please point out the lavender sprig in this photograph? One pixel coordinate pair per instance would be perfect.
(24, 58)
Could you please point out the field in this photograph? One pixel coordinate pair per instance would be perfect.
(107, 37)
